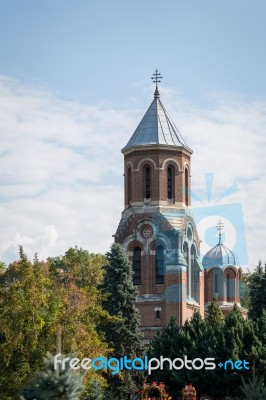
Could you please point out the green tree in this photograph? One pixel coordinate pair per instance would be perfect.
(216, 337)
(241, 343)
(174, 342)
(197, 345)
(55, 384)
(245, 289)
(85, 267)
(257, 290)
(25, 301)
(215, 317)
(254, 389)
(75, 277)
(124, 335)
(169, 343)
(49, 307)
(260, 350)
(2, 267)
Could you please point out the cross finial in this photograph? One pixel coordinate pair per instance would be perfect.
(220, 227)
(156, 78)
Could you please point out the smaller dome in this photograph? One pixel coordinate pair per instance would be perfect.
(219, 255)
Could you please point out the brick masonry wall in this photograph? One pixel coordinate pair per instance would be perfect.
(156, 160)
(169, 297)
(234, 274)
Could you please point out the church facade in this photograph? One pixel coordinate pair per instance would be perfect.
(158, 231)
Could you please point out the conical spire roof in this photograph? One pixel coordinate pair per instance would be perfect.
(156, 128)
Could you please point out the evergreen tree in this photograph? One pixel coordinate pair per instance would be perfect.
(174, 342)
(257, 288)
(254, 389)
(169, 343)
(164, 343)
(244, 289)
(234, 333)
(215, 316)
(96, 392)
(55, 384)
(122, 335)
(215, 347)
(197, 345)
(232, 338)
(241, 343)
(260, 349)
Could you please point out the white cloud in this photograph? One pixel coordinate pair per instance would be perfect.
(61, 166)
(56, 161)
(229, 140)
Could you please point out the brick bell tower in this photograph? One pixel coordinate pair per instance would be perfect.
(157, 228)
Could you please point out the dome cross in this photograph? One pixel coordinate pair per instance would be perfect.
(220, 227)
(156, 78)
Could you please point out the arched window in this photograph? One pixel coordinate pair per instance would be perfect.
(129, 186)
(217, 283)
(216, 286)
(194, 274)
(186, 187)
(147, 182)
(137, 266)
(186, 255)
(229, 293)
(160, 264)
(170, 182)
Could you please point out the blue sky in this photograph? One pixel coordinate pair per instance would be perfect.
(103, 50)
(75, 81)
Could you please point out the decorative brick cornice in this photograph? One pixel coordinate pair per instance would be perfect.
(157, 147)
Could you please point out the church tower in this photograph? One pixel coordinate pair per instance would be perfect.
(157, 228)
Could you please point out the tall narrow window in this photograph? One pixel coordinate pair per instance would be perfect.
(129, 186)
(147, 182)
(186, 255)
(228, 287)
(137, 266)
(159, 264)
(170, 182)
(186, 187)
(216, 289)
(194, 273)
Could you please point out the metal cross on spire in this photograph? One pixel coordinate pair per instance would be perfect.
(156, 78)
(220, 227)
